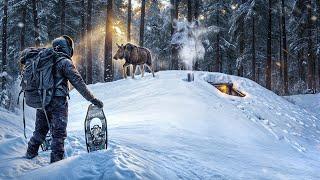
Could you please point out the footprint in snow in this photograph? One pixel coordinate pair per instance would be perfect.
(240, 107)
(272, 124)
(296, 134)
(8, 136)
(285, 131)
(266, 122)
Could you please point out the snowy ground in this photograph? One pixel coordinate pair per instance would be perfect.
(167, 128)
(310, 102)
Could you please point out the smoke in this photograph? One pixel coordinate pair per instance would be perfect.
(188, 37)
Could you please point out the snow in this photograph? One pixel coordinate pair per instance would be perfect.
(168, 128)
(310, 102)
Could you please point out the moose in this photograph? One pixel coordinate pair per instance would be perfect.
(135, 56)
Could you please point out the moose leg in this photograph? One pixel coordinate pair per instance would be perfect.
(124, 72)
(151, 69)
(128, 68)
(125, 66)
(142, 70)
(133, 71)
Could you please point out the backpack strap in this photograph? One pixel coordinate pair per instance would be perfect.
(24, 117)
(23, 112)
(44, 110)
(18, 100)
(59, 59)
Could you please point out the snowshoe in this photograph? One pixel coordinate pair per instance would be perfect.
(46, 145)
(95, 133)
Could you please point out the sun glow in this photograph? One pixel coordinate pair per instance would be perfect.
(118, 30)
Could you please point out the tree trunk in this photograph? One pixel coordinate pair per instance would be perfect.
(241, 45)
(230, 69)
(49, 24)
(300, 65)
(285, 50)
(217, 67)
(129, 21)
(4, 40)
(174, 48)
(196, 9)
(196, 16)
(36, 23)
(310, 56)
(143, 12)
(108, 66)
(172, 2)
(83, 41)
(89, 48)
(62, 16)
(318, 37)
(253, 50)
(23, 28)
(176, 8)
(280, 48)
(268, 68)
(189, 16)
(129, 29)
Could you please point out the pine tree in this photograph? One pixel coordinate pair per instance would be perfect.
(82, 48)
(189, 16)
(174, 48)
(108, 68)
(284, 48)
(318, 38)
(158, 34)
(254, 60)
(218, 62)
(23, 28)
(89, 43)
(62, 16)
(196, 9)
(143, 11)
(36, 23)
(310, 56)
(269, 50)
(129, 21)
(4, 42)
(241, 44)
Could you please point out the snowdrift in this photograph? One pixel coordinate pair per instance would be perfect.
(310, 102)
(167, 128)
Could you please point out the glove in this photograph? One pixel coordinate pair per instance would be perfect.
(97, 102)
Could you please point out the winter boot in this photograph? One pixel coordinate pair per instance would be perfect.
(32, 151)
(56, 156)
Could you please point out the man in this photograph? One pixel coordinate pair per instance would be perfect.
(57, 110)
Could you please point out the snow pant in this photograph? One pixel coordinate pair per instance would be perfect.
(57, 112)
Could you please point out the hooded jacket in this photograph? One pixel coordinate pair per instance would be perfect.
(64, 71)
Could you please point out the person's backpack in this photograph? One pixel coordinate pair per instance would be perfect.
(37, 83)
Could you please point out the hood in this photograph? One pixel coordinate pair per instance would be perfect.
(63, 44)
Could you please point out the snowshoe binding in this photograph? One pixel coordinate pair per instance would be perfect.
(96, 134)
(46, 145)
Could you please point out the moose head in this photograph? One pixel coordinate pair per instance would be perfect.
(120, 52)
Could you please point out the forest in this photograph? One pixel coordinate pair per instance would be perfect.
(275, 43)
